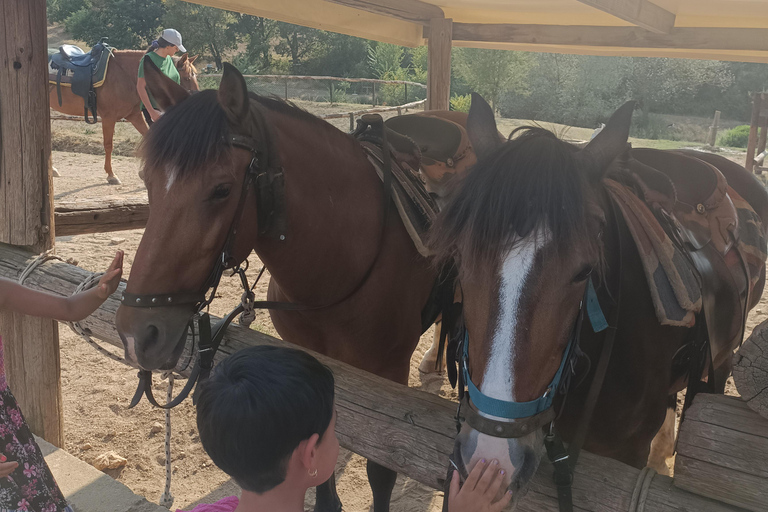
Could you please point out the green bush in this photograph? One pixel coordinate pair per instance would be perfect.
(461, 103)
(735, 137)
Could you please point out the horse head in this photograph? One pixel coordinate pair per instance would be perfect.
(195, 168)
(187, 72)
(524, 227)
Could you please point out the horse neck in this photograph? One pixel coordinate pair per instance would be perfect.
(334, 208)
(127, 63)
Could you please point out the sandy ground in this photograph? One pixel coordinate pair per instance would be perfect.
(97, 390)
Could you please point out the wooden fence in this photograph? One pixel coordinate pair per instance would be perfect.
(404, 429)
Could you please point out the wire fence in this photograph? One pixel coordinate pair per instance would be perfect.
(332, 90)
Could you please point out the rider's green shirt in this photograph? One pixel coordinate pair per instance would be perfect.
(166, 65)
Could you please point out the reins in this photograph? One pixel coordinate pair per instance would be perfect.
(210, 337)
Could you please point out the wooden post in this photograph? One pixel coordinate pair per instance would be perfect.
(406, 93)
(439, 64)
(757, 100)
(763, 125)
(351, 121)
(286, 89)
(26, 206)
(373, 100)
(713, 129)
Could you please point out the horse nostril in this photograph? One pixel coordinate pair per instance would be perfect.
(152, 336)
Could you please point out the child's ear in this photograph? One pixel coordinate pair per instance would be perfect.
(308, 452)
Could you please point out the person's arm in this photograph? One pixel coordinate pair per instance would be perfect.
(478, 492)
(20, 299)
(141, 87)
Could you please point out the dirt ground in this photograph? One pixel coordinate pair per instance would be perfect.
(97, 390)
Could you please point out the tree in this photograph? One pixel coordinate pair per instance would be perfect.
(297, 43)
(205, 29)
(258, 34)
(127, 23)
(492, 72)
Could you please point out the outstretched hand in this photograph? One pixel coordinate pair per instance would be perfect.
(111, 278)
(479, 491)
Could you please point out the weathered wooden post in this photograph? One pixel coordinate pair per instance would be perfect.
(757, 102)
(439, 64)
(26, 206)
(712, 138)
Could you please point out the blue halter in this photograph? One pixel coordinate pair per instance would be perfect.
(519, 410)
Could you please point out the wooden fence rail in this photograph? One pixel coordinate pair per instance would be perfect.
(404, 429)
(99, 216)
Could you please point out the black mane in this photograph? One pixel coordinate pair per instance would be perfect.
(531, 182)
(193, 135)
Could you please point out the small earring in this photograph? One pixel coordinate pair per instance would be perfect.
(313, 473)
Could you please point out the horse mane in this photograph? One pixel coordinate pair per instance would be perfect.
(529, 183)
(193, 135)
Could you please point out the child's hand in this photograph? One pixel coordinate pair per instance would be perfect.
(480, 489)
(6, 468)
(111, 278)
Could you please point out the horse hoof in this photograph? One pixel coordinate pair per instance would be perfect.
(55, 172)
(114, 180)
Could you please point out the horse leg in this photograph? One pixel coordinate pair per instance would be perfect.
(138, 122)
(108, 133)
(663, 444)
(429, 361)
(382, 482)
(720, 376)
(326, 498)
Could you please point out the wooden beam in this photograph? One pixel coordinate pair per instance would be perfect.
(407, 10)
(439, 64)
(642, 13)
(757, 102)
(79, 217)
(404, 429)
(26, 207)
(735, 39)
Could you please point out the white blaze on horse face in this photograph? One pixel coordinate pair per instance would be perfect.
(171, 171)
(498, 380)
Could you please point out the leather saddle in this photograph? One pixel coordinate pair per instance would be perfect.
(440, 139)
(692, 201)
(80, 70)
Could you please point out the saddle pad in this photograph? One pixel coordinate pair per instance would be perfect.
(674, 285)
(416, 207)
(99, 70)
(751, 242)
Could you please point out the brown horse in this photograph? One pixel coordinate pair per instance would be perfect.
(370, 285)
(529, 227)
(117, 98)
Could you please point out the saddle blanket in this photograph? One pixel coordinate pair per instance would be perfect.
(416, 207)
(674, 285)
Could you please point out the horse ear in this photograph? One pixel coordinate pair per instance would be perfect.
(611, 141)
(481, 127)
(193, 59)
(181, 61)
(165, 91)
(233, 94)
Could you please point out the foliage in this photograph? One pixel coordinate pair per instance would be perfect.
(385, 59)
(60, 10)
(461, 103)
(493, 72)
(737, 137)
(205, 30)
(127, 23)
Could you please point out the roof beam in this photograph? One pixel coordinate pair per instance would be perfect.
(642, 13)
(414, 11)
(749, 39)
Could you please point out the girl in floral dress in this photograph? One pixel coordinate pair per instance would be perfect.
(26, 483)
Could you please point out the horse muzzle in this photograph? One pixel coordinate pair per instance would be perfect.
(153, 338)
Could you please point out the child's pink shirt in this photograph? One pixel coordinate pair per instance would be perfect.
(226, 505)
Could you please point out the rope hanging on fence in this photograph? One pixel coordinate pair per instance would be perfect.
(41, 258)
(640, 493)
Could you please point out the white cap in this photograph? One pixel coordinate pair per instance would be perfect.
(173, 37)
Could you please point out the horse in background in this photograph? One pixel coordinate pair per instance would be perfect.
(117, 98)
(532, 228)
(340, 252)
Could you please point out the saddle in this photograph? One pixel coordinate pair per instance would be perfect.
(71, 67)
(712, 235)
(440, 139)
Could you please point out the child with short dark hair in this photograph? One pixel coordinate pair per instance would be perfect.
(266, 417)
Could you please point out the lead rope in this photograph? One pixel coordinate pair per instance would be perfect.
(166, 499)
(640, 493)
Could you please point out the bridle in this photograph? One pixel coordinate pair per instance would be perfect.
(262, 177)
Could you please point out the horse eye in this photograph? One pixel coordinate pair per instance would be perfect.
(221, 191)
(584, 274)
